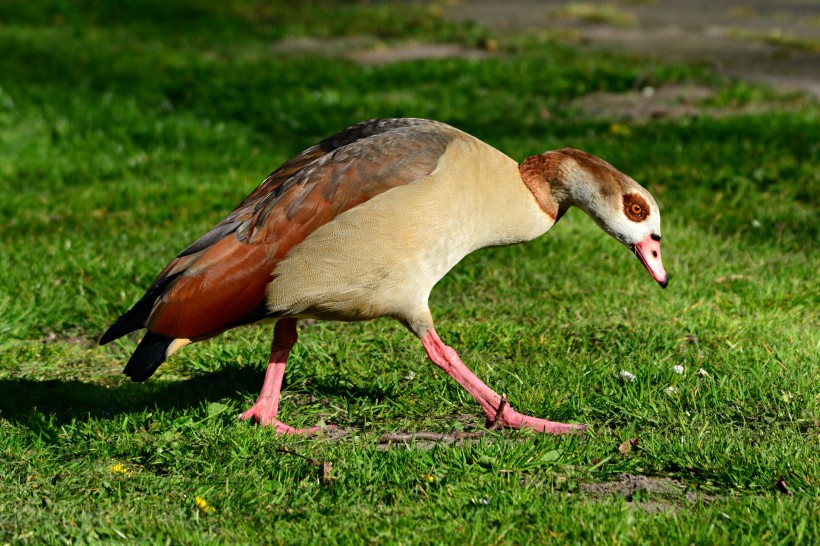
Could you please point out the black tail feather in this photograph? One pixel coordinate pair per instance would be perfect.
(149, 355)
(130, 321)
(135, 318)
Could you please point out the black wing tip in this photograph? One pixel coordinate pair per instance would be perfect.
(107, 337)
(124, 326)
(148, 356)
(136, 317)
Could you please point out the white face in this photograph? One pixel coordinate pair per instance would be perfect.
(638, 226)
(635, 219)
(631, 216)
(621, 206)
(618, 204)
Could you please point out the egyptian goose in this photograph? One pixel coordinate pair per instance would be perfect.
(363, 225)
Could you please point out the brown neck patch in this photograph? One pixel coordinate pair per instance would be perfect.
(538, 173)
(635, 207)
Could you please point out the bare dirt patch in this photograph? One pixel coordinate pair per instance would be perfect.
(627, 485)
(369, 51)
(649, 493)
(649, 103)
(776, 42)
(78, 340)
(668, 102)
(414, 52)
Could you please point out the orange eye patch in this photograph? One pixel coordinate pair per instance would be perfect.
(635, 207)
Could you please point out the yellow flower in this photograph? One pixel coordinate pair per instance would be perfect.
(619, 129)
(120, 468)
(203, 505)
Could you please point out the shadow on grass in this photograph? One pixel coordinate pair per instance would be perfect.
(30, 402)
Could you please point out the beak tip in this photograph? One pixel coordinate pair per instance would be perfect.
(648, 252)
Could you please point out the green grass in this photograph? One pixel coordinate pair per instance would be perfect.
(128, 129)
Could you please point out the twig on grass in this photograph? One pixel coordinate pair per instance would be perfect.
(326, 466)
(454, 436)
(429, 436)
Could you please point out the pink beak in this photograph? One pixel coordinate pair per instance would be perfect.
(648, 252)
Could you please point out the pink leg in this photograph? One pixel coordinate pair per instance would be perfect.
(266, 406)
(446, 358)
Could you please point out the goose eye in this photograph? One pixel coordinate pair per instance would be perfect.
(635, 207)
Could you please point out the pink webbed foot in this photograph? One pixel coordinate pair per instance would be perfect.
(507, 417)
(498, 411)
(264, 413)
(266, 406)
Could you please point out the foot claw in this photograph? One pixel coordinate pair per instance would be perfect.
(498, 420)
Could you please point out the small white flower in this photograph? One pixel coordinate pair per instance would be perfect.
(756, 224)
(671, 390)
(678, 369)
(410, 376)
(626, 376)
(703, 373)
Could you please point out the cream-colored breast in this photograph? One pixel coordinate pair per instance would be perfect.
(383, 257)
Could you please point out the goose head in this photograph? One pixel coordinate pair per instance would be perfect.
(618, 204)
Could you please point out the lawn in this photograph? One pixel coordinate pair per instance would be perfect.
(128, 129)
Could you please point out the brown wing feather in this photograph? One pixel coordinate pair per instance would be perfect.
(220, 290)
(220, 279)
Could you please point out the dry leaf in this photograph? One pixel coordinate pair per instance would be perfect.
(627, 446)
(327, 471)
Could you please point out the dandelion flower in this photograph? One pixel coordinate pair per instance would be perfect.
(120, 468)
(203, 505)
